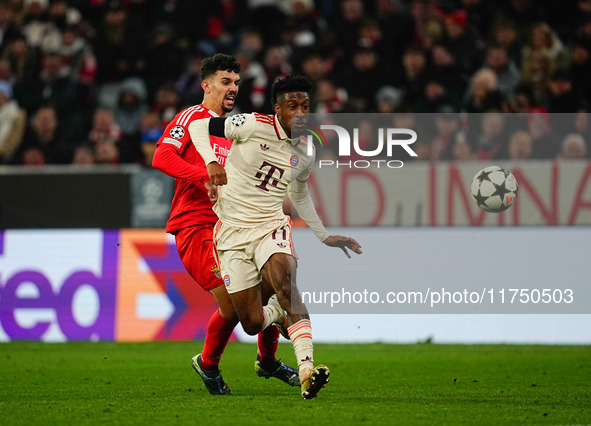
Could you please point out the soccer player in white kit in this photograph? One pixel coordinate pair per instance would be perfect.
(253, 235)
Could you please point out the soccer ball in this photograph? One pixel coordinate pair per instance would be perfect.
(494, 189)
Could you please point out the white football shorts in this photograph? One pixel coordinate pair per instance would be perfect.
(242, 252)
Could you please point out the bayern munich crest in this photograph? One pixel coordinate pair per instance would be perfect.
(294, 160)
(238, 120)
(177, 132)
(227, 280)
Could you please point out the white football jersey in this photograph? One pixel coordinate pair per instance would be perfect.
(262, 163)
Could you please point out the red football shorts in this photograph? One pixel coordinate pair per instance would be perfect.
(195, 247)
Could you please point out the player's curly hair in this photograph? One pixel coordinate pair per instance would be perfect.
(291, 83)
(218, 62)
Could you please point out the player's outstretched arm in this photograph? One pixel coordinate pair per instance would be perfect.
(343, 243)
(199, 131)
(168, 160)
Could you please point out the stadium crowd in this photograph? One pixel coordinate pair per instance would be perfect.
(96, 81)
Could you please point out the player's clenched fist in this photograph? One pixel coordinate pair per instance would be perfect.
(217, 174)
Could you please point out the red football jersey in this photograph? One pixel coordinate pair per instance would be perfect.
(190, 204)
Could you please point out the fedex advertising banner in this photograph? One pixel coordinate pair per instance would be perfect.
(125, 285)
(129, 285)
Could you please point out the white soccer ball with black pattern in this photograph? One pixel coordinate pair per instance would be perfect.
(494, 189)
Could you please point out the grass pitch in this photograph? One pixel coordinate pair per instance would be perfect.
(153, 383)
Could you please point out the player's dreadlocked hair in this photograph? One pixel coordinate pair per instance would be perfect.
(218, 62)
(291, 83)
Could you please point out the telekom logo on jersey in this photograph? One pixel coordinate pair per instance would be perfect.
(386, 140)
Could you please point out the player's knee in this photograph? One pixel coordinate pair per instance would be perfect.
(251, 328)
(228, 314)
(252, 324)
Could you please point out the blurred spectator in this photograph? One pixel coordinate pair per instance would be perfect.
(447, 124)
(33, 156)
(150, 127)
(463, 42)
(435, 96)
(525, 13)
(538, 126)
(483, 94)
(536, 70)
(573, 147)
(38, 29)
(541, 37)
(151, 120)
(426, 17)
(388, 99)
(276, 65)
(149, 140)
(268, 18)
(411, 78)
(106, 152)
(84, 155)
(508, 77)
(329, 98)
(188, 85)
(397, 27)
(505, 34)
(370, 35)
(131, 105)
(251, 41)
(489, 140)
(562, 97)
(6, 72)
(166, 103)
(523, 101)
(461, 150)
(252, 82)
(481, 15)
(104, 127)
(362, 78)
(314, 66)
(63, 15)
(583, 32)
(520, 146)
(580, 68)
(45, 134)
(346, 25)
(582, 125)
(302, 26)
(25, 63)
(8, 29)
(78, 55)
(119, 47)
(12, 123)
(444, 64)
(163, 60)
(56, 86)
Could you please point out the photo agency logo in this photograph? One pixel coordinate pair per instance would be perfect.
(358, 142)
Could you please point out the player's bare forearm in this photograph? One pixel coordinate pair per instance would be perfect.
(217, 174)
(343, 243)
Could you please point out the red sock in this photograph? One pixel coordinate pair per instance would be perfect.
(267, 345)
(216, 338)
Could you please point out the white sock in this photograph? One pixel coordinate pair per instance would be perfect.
(272, 312)
(301, 337)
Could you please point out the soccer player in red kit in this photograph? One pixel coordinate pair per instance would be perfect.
(192, 220)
